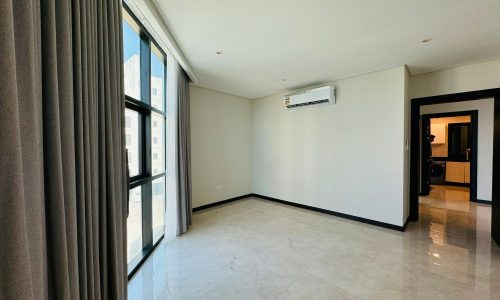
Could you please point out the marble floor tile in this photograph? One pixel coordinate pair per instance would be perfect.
(256, 249)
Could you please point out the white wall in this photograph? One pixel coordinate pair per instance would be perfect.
(220, 145)
(485, 109)
(480, 76)
(347, 157)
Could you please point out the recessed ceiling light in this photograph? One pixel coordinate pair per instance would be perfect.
(219, 52)
(426, 40)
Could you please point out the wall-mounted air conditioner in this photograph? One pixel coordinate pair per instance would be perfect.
(324, 94)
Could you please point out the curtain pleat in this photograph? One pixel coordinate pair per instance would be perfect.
(62, 168)
(184, 153)
(23, 259)
(59, 150)
(80, 81)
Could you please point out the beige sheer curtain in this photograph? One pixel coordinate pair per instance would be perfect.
(62, 166)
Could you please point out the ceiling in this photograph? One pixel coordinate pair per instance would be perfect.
(319, 41)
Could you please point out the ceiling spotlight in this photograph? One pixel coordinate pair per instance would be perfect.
(219, 52)
(426, 40)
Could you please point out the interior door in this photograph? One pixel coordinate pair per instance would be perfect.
(460, 142)
(425, 181)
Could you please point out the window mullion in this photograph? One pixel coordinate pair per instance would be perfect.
(145, 70)
(147, 218)
(147, 223)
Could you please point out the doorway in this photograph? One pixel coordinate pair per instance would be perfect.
(449, 151)
(416, 150)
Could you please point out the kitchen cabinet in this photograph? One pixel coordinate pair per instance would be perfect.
(458, 172)
(439, 133)
(467, 172)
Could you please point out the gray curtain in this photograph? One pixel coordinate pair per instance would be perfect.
(184, 152)
(62, 166)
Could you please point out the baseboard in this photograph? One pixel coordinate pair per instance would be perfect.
(482, 201)
(337, 214)
(406, 223)
(195, 209)
(312, 208)
(457, 184)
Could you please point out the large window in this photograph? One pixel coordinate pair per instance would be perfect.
(145, 101)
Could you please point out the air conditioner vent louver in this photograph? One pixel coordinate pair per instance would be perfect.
(324, 94)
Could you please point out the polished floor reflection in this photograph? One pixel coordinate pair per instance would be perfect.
(255, 249)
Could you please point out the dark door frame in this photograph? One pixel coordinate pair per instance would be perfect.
(425, 153)
(473, 162)
(415, 149)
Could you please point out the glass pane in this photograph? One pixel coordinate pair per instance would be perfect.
(132, 126)
(157, 143)
(157, 79)
(158, 193)
(131, 58)
(134, 224)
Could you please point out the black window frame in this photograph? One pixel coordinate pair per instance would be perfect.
(143, 106)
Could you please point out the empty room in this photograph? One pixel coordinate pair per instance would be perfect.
(217, 149)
